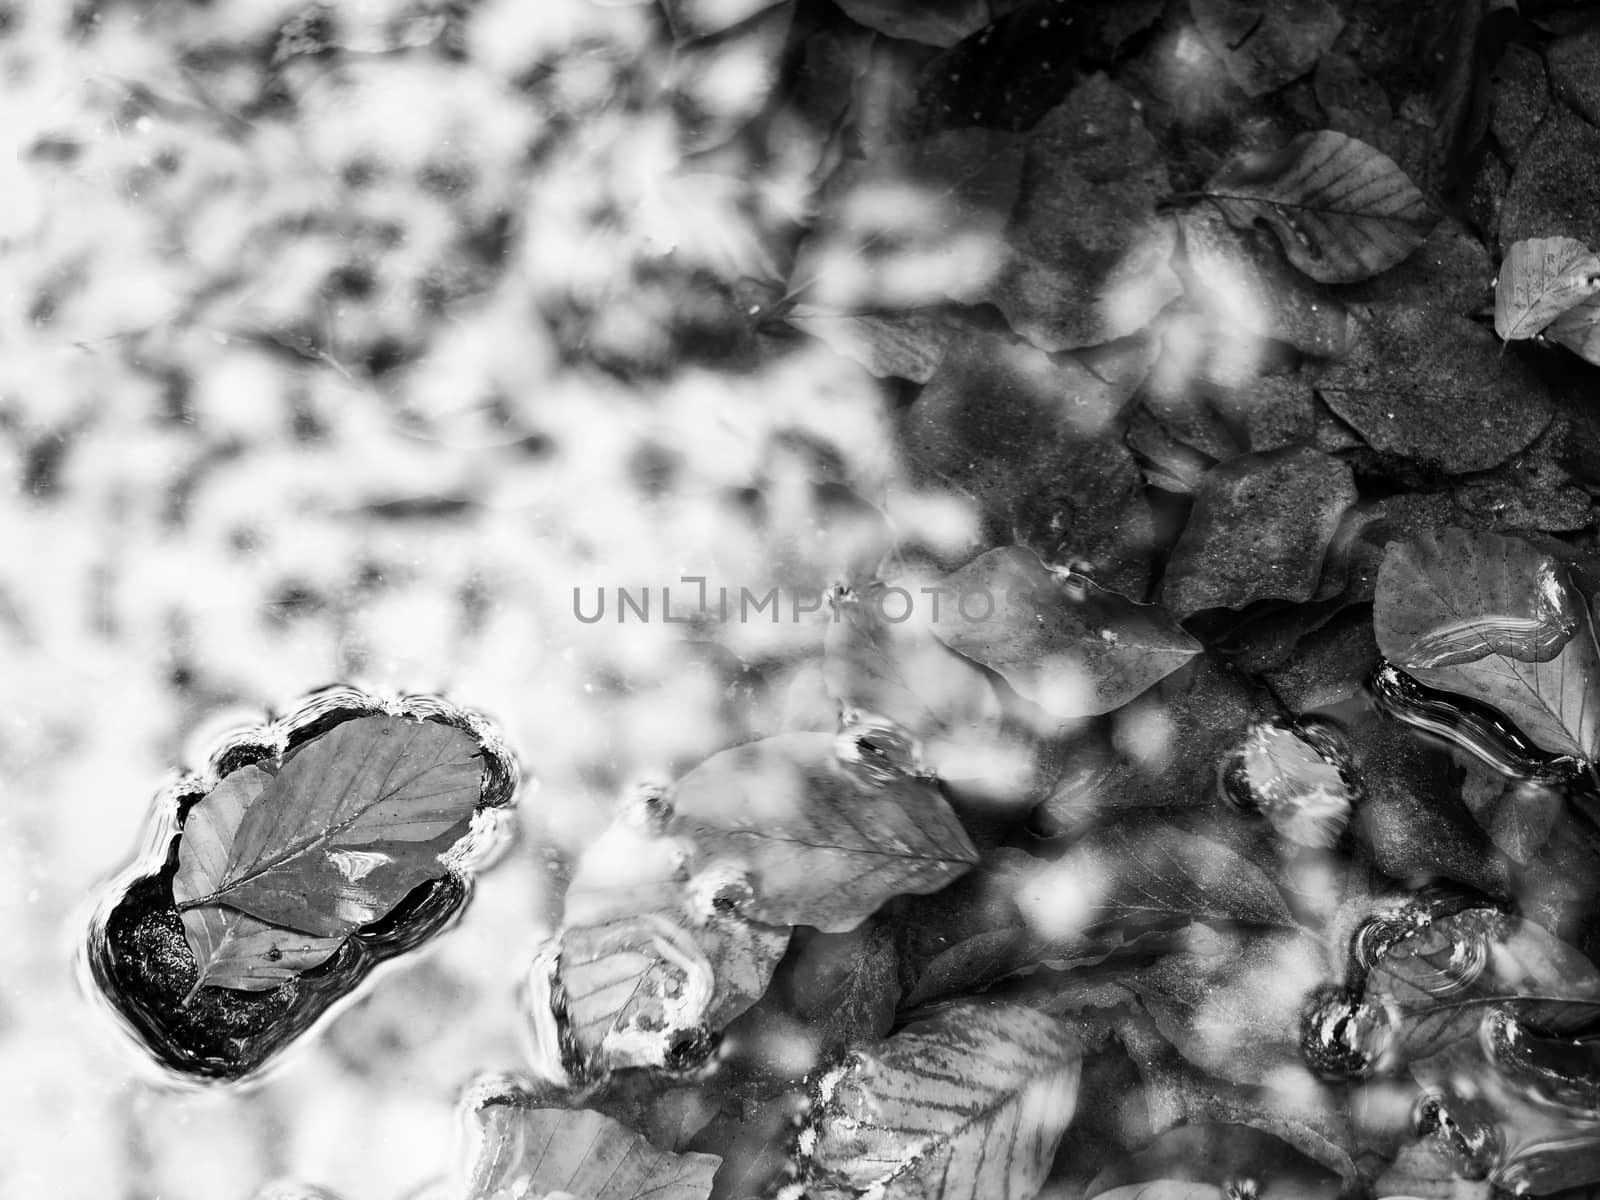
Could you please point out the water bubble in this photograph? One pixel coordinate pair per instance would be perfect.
(1305, 793)
(1468, 1140)
(877, 748)
(1546, 1068)
(1344, 1037)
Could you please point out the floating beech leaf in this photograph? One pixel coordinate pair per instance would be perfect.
(1440, 979)
(231, 948)
(1578, 329)
(822, 844)
(1136, 873)
(1070, 646)
(1342, 210)
(1494, 619)
(967, 1105)
(235, 950)
(646, 990)
(521, 1143)
(346, 828)
(1305, 796)
(1540, 279)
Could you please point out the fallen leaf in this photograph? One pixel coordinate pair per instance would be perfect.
(1086, 258)
(1539, 280)
(1552, 190)
(1432, 387)
(1342, 210)
(1259, 529)
(235, 950)
(1233, 1007)
(333, 840)
(966, 1105)
(1073, 648)
(646, 990)
(1494, 619)
(821, 844)
(1518, 815)
(1578, 329)
(1266, 43)
(1441, 978)
(1238, 285)
(846, 986)
(520, 1142)
(1140, 874)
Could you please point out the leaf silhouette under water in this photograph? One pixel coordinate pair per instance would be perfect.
(521, 1143)
(331, 841)
(1495, 619)
(967, 1105)
(821, 843)
(1073, 648)
(1342, 210)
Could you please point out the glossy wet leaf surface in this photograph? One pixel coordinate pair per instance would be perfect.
(1342, 210)
(968, 1103)
(330, 841)
(1497, 620)
(1072, 646)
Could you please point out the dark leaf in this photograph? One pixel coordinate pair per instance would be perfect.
(935, 22)
(820, 843)
(521, 1143)
(916, 224)
(966, 1105)
(1516, 814)
(1086, 259)
(1142, 874)
(1264, 44)
(1260, 527)
(1539, 280)
(1443, 977)
(1432, 387)
(1496, 620)
(1240, 286)
(1232, 1005)
(1071, 647)
(845, 986)
(341, 834)
(1342, 210)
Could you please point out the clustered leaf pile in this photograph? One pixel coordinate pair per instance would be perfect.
(1245, 842)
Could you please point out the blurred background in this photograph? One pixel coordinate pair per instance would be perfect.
(348, 345)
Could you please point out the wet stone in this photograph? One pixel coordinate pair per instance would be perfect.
(1575, 72)
(1521, 99)
(1555, 188)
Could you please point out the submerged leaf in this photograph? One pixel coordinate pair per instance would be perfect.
(967, 1105)
(1342, 210)
(235, 950)
(349, 824)
(1494, 619)
(1143, 875)
(1540, 279)
(822, 844)
(1070, 646)
(1267, 43)
(520, 1143)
